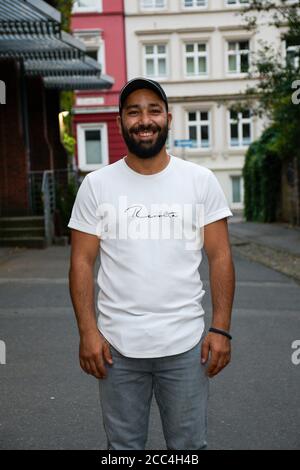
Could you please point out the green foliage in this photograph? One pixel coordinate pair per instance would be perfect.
(65, 7)
(262, 175)
(69, 144)
(66, 100)
(65, 198)
(66, 97)
(271, 97)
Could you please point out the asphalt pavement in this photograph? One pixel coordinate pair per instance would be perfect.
(279, 236)
(47, 402)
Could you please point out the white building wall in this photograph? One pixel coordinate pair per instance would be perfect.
(216, 24)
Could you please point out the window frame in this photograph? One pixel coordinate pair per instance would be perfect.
(196, 75)
(100, 54)
(170, 140)
(238, 55)
(239, 204)
(82, 161)
(241, 121)
(99, 44)
(237, 4)
(156, 58)
(153, 7)
(98, 8)
(296, 59)
(193, 7)
(198, 128)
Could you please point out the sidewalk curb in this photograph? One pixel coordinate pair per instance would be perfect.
(244, 240)
(274, 258)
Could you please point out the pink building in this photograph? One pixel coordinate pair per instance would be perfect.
(100, 25)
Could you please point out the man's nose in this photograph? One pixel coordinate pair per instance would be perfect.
(145, 118)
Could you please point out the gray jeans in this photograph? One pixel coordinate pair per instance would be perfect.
(180, 387)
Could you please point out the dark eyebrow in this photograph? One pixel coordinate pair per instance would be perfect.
(131, 106)
(137, 106)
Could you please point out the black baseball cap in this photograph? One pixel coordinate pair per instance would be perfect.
(138, 84)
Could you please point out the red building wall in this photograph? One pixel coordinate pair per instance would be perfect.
(116, 145)
(111, 22)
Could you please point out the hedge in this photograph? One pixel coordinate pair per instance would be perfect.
(262, 177)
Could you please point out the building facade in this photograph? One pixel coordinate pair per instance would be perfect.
(200, 51)
(100, 25)
(37, 60)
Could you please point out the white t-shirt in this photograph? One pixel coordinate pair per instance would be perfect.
(151, 229)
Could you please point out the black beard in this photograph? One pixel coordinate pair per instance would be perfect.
(145, 149)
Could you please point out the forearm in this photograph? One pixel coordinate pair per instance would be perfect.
(222, 285)
(81, 284)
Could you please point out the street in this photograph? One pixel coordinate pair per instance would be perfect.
(49, 403)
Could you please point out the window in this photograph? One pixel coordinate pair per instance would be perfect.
(199, 128)
(293, 55)
(92, 146)
(155, 60)
(236, 186)
(169, 141)
(97, 54)
(95, 47)
(194, 3)
(196, 59)
(240, 128)
(238, 56)
(237, 2)
(153, 4)
(82, 6)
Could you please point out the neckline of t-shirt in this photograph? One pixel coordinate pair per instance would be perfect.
(154, 175)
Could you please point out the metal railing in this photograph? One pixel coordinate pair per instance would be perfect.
(44, 189)
(48, 197)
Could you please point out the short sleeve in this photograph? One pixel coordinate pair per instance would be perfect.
(215, 204)
(84, 213)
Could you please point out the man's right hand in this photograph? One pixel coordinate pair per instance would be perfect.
(93, 351)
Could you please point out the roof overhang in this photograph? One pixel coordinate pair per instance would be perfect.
(30, 31)
(79, 82)
(56, 65)
(29, 11)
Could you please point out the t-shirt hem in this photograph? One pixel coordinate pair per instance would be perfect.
(82, 227)
(134, 355)
(218, 215)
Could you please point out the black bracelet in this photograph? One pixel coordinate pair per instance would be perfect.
(221, 332)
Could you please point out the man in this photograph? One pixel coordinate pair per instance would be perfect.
(150, 211)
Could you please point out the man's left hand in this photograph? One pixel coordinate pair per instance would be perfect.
(219, 348)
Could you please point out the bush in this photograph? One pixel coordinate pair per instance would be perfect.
(65, 198)
(262, 175)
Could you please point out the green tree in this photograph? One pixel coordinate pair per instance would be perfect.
(65, 7)
(273, 96)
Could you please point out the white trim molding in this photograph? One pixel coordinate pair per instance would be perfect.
(87, 6)
(81, 139)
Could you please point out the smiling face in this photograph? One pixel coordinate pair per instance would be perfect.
(144, 123)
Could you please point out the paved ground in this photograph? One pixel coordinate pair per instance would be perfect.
(278, 236)
(48, 403)
(274, 245)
